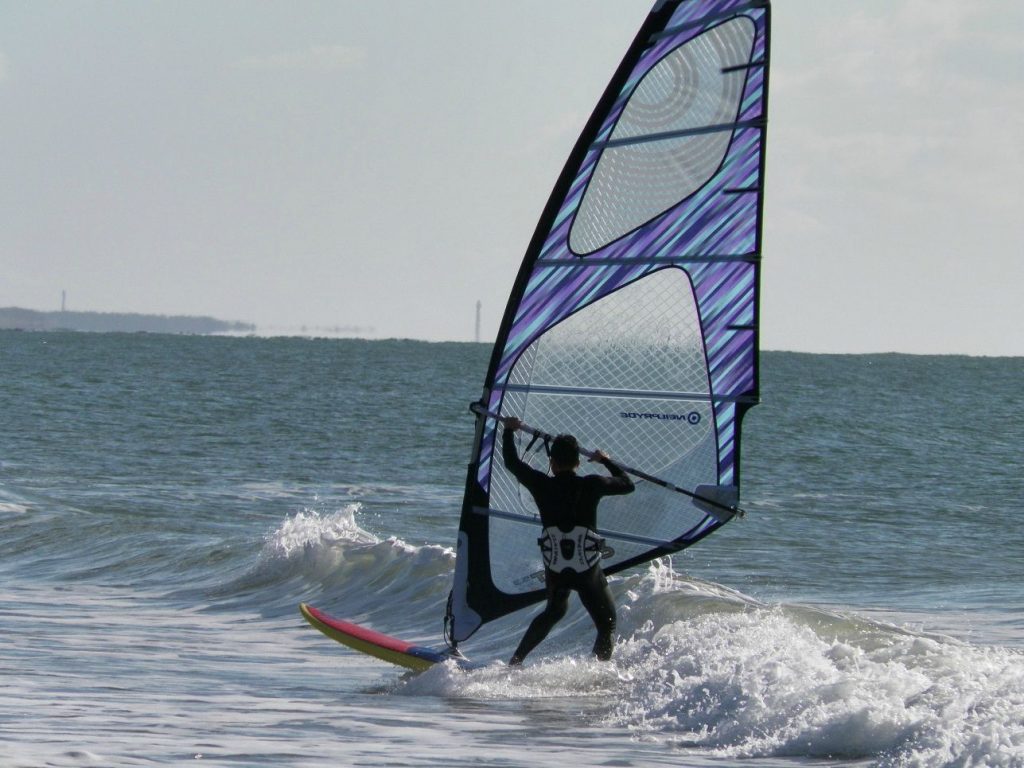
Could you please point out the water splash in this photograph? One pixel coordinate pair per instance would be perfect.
(709, 670)
(310, 530)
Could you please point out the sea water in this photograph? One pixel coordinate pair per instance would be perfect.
(167, 501)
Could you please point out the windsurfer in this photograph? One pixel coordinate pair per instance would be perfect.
(570, 544)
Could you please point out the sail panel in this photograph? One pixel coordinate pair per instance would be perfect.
(631, 368)
(670, 138)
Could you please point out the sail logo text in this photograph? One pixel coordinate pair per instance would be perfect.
(692, 417)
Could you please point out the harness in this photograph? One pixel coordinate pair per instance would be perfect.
(577, 550)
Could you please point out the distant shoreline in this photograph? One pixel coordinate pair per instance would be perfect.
(16, 318)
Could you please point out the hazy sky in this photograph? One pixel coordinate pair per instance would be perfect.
(350, 162)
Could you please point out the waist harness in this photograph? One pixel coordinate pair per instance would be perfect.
(576, 550)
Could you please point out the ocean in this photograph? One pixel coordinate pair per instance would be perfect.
(167, 501)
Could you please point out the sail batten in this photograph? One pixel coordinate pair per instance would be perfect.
(633, 321)
(713, 258)
(697, 131)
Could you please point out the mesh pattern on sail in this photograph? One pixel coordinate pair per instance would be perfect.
(645, 338)
(686, 90)
(645, 402)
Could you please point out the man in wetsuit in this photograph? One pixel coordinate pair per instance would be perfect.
(570, 545)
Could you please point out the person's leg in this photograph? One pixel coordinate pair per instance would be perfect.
(557, 605)
(597, 599)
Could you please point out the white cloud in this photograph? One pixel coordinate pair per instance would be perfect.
(925, 92)
(317, 58)
(865, 53)
(893, 159)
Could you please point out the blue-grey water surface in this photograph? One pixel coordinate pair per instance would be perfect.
(167, 501)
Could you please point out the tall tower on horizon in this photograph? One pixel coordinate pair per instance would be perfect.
(63, 299)
(478, 320)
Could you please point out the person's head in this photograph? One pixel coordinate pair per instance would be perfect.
(565, 454)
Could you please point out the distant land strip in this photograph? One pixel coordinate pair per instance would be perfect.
(15, 318)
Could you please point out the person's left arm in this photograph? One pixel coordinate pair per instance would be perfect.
(619, 482)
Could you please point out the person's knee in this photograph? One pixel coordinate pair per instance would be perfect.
(556, 611)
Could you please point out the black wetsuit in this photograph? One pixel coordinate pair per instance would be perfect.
(566, 500)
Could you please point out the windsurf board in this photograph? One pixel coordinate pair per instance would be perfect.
(377, 644)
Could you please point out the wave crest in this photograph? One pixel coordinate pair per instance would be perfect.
(309, 530)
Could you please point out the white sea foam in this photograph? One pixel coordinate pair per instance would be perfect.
(708, 669)
(310, 529)
(761, 684)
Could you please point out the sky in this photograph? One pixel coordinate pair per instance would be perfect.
(346, 163)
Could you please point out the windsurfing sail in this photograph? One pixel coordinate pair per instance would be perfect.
(633, 322)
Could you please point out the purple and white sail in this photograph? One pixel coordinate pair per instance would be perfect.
(633, 322)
